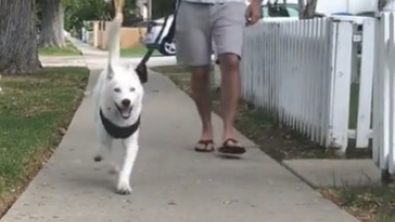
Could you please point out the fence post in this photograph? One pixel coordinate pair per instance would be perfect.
(391, 69)
(365, 84)
(377, 97)
(340, 85)
(384, 97)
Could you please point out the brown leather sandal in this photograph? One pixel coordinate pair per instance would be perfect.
(231, 146)
(204, 146)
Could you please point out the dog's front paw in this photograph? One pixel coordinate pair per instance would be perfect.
(124, 188)
(114, 169)
(87, 93)
(97, 158)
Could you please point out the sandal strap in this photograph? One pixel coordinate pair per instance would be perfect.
(205, 146)
(235, 148)
(237, 143)
(205, 142)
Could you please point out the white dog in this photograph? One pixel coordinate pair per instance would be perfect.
(118, 98)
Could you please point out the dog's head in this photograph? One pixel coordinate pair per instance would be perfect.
(124, 89)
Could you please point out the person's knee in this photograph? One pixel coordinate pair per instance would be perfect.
(200, 80)
(201, 73)
(229, 61)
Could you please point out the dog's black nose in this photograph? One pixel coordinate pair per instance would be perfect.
(126, 102)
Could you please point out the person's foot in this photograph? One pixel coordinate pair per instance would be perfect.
(231, 146)
(204, 146)
(206, 143)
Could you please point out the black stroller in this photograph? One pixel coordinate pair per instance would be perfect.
(141, 68)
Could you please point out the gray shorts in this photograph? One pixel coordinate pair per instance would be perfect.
(200, 25)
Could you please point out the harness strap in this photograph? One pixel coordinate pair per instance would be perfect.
(116, 131)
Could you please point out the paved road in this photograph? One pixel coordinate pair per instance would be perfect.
(171, 182)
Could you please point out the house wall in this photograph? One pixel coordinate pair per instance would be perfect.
(129, 37)
(351, 6)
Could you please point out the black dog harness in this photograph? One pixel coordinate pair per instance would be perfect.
(116, 131)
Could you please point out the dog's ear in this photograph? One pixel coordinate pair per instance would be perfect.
(110, 71)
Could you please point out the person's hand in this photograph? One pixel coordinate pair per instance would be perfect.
(253, 12)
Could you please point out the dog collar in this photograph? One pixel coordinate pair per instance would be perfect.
(116, 131)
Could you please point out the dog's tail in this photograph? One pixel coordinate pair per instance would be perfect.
(114, 38)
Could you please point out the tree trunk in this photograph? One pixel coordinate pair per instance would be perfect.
(381, 4)
(51, 34)
(308, 10)
(386, 5)
(301, 8)
(18, 37)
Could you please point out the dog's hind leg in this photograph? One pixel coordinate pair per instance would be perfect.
(104, 145)
(131, 149)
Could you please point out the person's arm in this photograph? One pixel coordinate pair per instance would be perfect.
(257, 1)
(253, 13)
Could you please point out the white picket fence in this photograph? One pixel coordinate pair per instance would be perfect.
(300, 72)
(286, 70)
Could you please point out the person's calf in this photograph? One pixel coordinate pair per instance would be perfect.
(200, 86)
(230, 89)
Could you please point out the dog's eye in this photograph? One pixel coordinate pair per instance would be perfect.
(117, 90)
(132, 89)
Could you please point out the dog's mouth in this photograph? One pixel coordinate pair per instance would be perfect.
(124, 111)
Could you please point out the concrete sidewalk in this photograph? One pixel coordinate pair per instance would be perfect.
(171, 182)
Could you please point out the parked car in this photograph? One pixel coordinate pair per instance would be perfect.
(279, 10)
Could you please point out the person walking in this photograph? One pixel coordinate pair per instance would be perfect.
(198, 22)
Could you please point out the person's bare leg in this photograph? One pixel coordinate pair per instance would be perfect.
(230, 89)
(200, 86)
